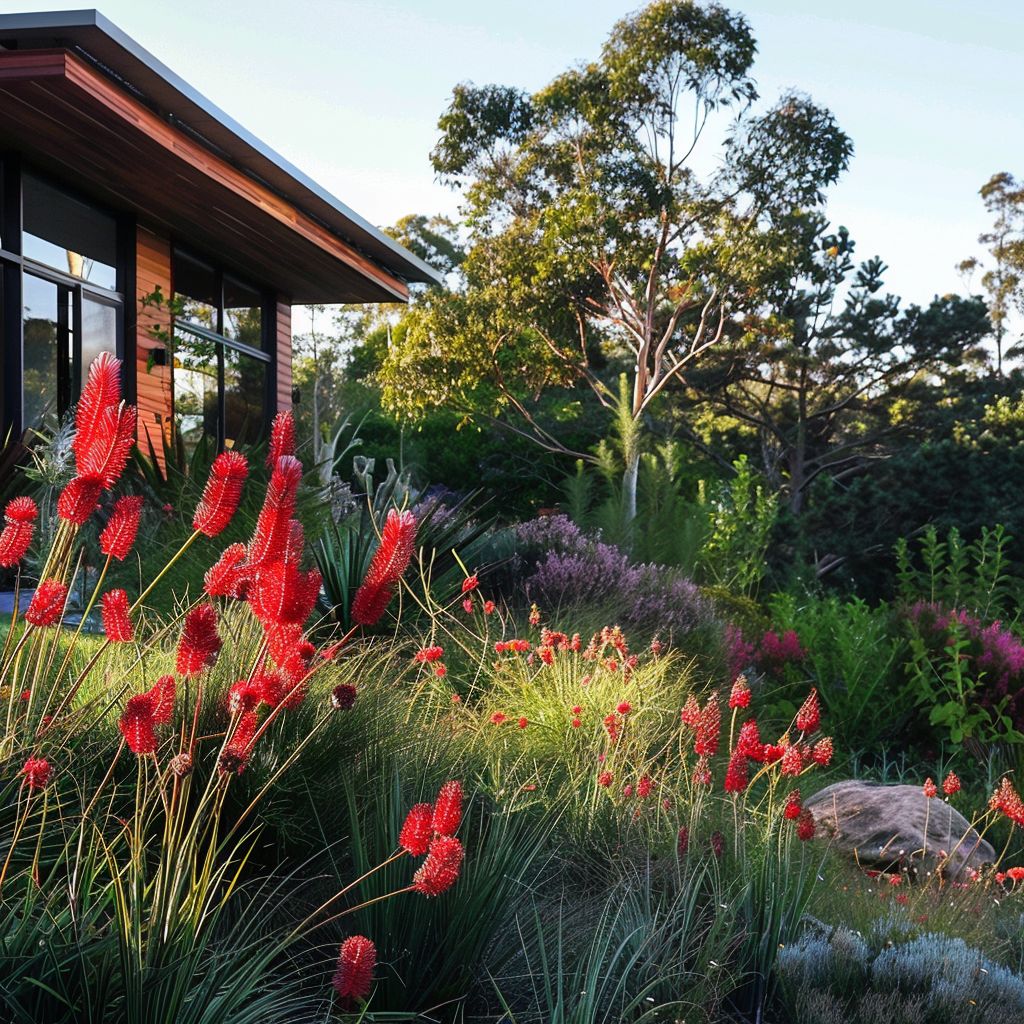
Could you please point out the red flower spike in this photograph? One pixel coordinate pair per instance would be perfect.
(805, 825)
(702, 772)
(498, 717)
(605, 779)
(470, 583)
(736, 775)
(235, 755)
(793, 806)
(228, 576)
(708, 725)
(749, 741)
(448, 809)
(101, 392)
(106, 458)
(162, 693)
(47, 604)
(343, 697)
(951, 784)
(118, 535)
(821, 754)
(274, 525)
(19, 524)
(690, 714)
(523, 723)
(624, 708)
(417, 830)
(37, 772)
(357, 958)
(644, 787)
(440, 871)
(269, 688)
(222, 493)
(117, 623)
(792, 762)
(489, 607)
(427, 654)
(389, 562)
(929, 788)
(808, 718)
(78, 499)
(199, 642)
(136, 724)
(244, 696)
(682, 841)
(740, 695)
(282, 438)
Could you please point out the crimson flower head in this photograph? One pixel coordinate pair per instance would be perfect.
(427, 654)
(228, 576)
(282, 438)
(821, 753)
(489, 607)
(137, 723)
(118, 535)
(417, 830)
(162, 695)
(736, 775)
(749, 741)
(644, 787)
(357, 958)
(793, 806)
(199, 642)
(117, 623)
(389, 562)
(470, 583)
(605, 779)
(235, 755)
(448, 809)
(274, 525)
(929, 788)
(343, 697)
(739, 697)
(104, 425)
(47, 604)
(808, 718)
(702, 772)
(624, 707)
(37, 772)
(1007, 800)
(440, 871)
(708, 726)
(792, 760)
(222, 493)
(805, 825)
(78, 499)
(690, 714)
(19, 524)
(951, 784)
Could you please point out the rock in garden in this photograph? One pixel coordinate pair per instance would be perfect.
(885, 826)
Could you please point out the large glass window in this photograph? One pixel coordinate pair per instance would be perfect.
(221, 356)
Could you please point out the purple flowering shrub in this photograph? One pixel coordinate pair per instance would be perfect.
(561, 565)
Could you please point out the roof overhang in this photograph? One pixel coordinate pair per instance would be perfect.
(80, 98)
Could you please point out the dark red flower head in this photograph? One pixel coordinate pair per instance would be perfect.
(357, 959)
(199, 642)
(222, 493)
(136, 723)
(417, 830)
(37, 772)
(282, 438)
(448, 809)
(389, 562)
(343, 697)
(118, 535)
(808, 718)
(19, 523)
(736, 775)
(162, 695)
(805, 825)
(235, 755)
(708, 726)
(78, 499)
(228, 576)
(47, 604)
(440, 871)
(117, 623)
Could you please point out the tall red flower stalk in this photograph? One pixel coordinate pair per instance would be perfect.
(440, 871)
(222, 493)
(417, 830)
(47, 604)
(137, 723)
(274, 525)
(19, 524)
(448, 809)
(199, 643)
(117, 623)
(357, 958)
(119, 534)
(282, 438)
(389, 562)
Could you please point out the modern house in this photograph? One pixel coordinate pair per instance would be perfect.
(138, 218)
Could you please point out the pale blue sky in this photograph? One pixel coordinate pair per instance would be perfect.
(931, 91)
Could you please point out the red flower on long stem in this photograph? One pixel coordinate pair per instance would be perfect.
(137, 724)
(118, 535)
(389, 562)
(417, 830)
(440, 871)
(78, 500)
(228, 576)
(739, 697)
(117, 623)
(37, 772)
(104, 431)
(235, 755)
(19, 524)
(47, 604)
(282, 438)
(736, 775)
(357, 958)
(805, 825)
(274, 525)
(808, 718)
(708, 726)
(199, 642)
(222, 493)
(162, 694)
(448, 809)
(951, 784)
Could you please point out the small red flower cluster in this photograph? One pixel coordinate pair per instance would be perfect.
(144, 712)
(1007, 800)
(47, 604)
(513, 646)
(37, 772)
(357, 958)
(432, 655)
(430, 829)
(19, 524)
(389, 562)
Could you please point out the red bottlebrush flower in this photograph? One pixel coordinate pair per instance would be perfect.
(47, 604)
(690, 714)
(448, 809)
(343, 697)
(808, 718)
(162, 693)
(37, 772)
(282, 438)
(773, 752)
(929, 788)
(577, 710)
(357, 958)
(429, 654)
(489, 607)
(136, 724)
(235, 755)
(78, 499)
(19, 524)
(793, 807)
(498, 717)
(821, 754)
(792, 760)
(736, 775)
(117, 623)
(118, 535)
(441, 671)
(657, 647)
(627, 790)
(708, 725)
(644, 787)
(682, 841)
(624, 708)
(717, 844)
(222, 493)
(228, 576)
(547, 655)
(951, 784)
(605, 779)
(199, 642)
(269, 688)
(1007, 800)
(417, 830)
(1014, 874)
(805, 825)
(576, 723)
(389, 562)
(740, 695)
(440, 871)
(280, 594)
(470, 583)
(702, 772)
(749, 741)
(534, 615)
(244, 696)
(100, 395)
(611, 725)
(467, 606)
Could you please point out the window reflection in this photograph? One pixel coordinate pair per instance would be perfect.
(195, 387)
(98, 333)
(244, 397)
(44, 332)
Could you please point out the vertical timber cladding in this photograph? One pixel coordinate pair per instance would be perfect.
(283, 355)
(153, 326)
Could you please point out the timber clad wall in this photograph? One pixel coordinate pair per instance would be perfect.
(283, 333)
(153, 388)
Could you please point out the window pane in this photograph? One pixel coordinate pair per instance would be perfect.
(243, 313)
(44, 323)
(99, 332)
(68, 235)
(244, 396)
(196, 288)
(195, 387)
